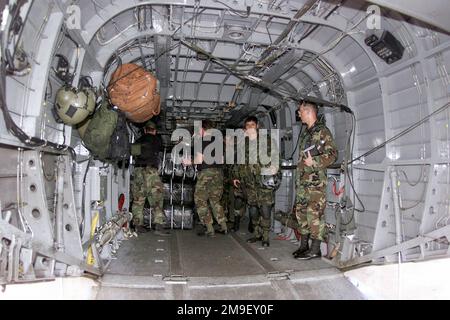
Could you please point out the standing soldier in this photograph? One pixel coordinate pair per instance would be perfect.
(317, 152)
(226, 193)
(209, 187)
(233, 197)
(146, 182)
(239, 201)
(260, 199)
(237, 206)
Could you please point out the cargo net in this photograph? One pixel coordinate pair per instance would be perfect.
(178, 181)
(135, 92)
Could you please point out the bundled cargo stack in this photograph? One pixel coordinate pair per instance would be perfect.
(178, 193)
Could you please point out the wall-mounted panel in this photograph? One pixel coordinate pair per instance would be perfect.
(369, 185)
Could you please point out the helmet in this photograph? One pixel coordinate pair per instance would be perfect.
(150, 124)
(272, 182)
(73, 106)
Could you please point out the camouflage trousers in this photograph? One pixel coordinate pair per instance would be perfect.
(309, 208)
(147, 185)
(226, 199)
(239, 203)
(208, 192)
(261, 220)
(260, 202)
(258, 196)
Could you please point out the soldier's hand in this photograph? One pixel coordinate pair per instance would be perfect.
(236, 183)
(309, 160)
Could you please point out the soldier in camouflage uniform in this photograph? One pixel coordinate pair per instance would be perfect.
(209, 189)
(317, 152)
(146, 183)
(259, 198)
(226, 192)
(233, 197)
(239, 201)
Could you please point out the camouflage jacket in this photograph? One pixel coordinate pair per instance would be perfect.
(319, 141)
(234, 172)
(227, 174)
(250, 173)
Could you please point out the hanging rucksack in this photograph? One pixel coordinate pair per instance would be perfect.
(97, 137)
(120, 140)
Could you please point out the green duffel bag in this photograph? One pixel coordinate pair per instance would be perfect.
(97, 137)
(136, 149)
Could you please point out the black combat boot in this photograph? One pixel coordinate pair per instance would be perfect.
(206, 231)
(237, 223)
(251, 228)
(201, 230)
(160, 231)
(304, 246)
(253, 214)
(141, 229)
(223, 229)
(313, 253)
(138, 227)
(255, 239)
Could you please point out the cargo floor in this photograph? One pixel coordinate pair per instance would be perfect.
(186, 266)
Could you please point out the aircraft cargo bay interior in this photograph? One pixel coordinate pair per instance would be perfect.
(224, 149)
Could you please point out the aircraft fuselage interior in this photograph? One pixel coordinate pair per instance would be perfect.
(81, 79)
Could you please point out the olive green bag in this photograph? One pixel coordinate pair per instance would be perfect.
(97, 137)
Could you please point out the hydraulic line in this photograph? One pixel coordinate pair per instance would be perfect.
(266, 57)
(13, 128)
(401, 134)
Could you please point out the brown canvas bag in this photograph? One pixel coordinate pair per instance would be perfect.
(134, 91)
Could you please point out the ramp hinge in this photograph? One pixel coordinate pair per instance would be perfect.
(277, 275)
(176, 279)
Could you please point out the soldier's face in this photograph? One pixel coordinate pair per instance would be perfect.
(303, 113)
(151, 131)
(250, 128)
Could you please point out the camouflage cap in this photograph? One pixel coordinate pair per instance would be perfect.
(150, 124)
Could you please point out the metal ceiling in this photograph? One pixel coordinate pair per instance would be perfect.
(250, 37)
